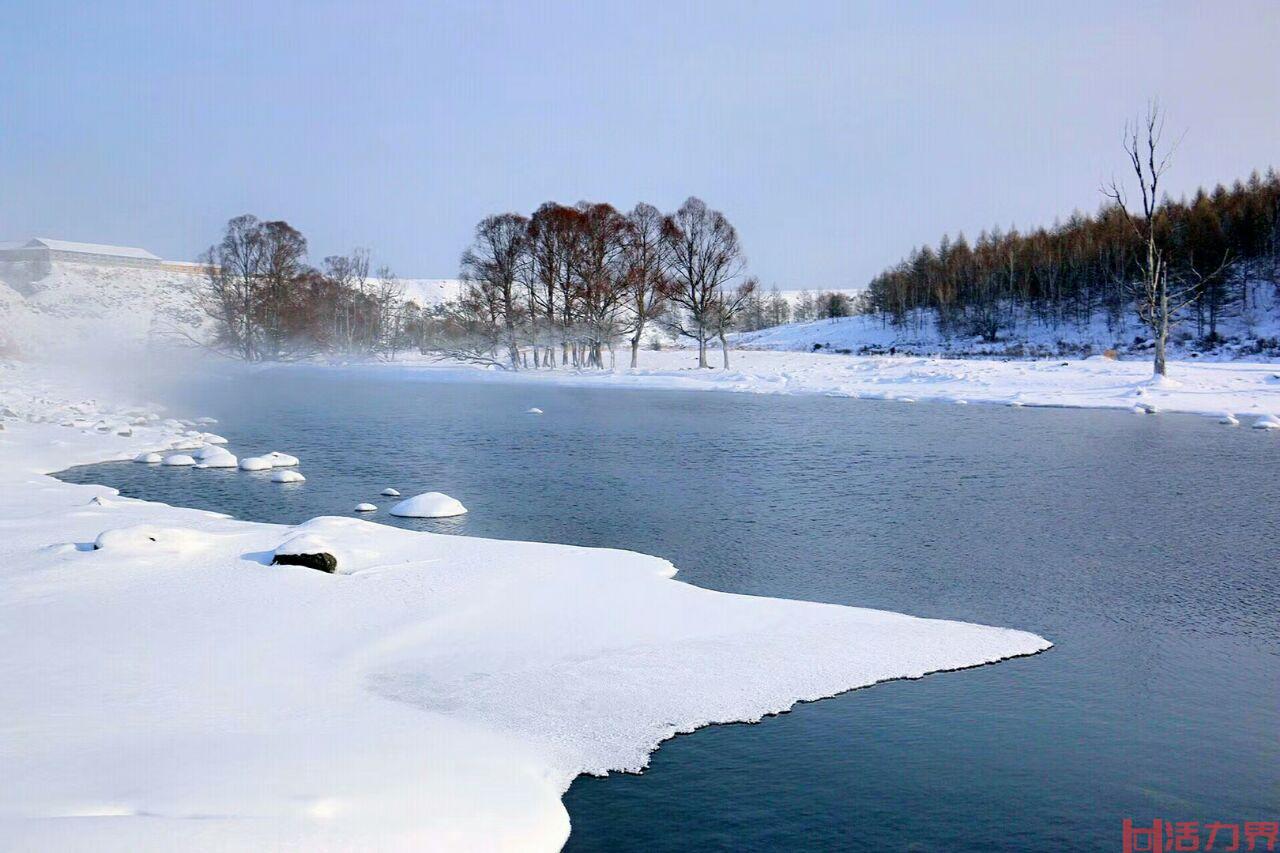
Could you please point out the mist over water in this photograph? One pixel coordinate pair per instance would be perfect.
(1157, 700)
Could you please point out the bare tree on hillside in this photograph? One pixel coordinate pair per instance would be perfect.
(1157, 305)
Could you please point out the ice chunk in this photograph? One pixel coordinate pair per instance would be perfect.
(178, 459)
(365, 507)
(256, 463)
(282, 460)
(287, 477)
(429, 505)
(534, 411)
(1267, 422)
(149, 458)
(390, 493)
(209, 451)
(1228, 419)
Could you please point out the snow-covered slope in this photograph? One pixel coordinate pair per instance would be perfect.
(1250, 334)
(169, 689)
(427, 292)
(78, 307)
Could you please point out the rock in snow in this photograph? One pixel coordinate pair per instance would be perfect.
(256, 463)
(178, 459)
(308, 551)
(390, 493)
(365, 508)
(428, 505)
(287, 477)
(149, 458)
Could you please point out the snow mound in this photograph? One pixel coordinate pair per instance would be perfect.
(534, 411)
(219, 460)
(390, 493)
(1267, 422)
(256, 463)
(364, 507)
(429, 505)
(1228, 419)
(149, 458)
(150, 539)
(209, 451)
(287, 477)
(282, 460)
(178, 459)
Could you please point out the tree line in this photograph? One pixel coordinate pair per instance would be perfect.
(565, 285)
(268, 304)
(1165, 261)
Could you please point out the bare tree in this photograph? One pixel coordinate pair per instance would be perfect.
(705, 255)
(728, 307)
(284, 250)
(493, 265)
(1157, 305)
(233, 270)
(645, 255)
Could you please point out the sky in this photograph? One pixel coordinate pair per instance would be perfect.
(835, 136)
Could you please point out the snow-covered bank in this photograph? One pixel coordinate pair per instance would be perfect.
(170, 689)
(1196, 387)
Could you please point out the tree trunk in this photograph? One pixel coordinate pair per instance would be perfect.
(724, 348)
(635, 352)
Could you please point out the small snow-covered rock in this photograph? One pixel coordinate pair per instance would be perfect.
(213, 438)
(534, 411)
(282, 460)
(206, 421)
(125, 431)
(429, 505)
(256, 463)
(390, 493)
(177, 459)
(149, 458)
(209, 451)
(219, 460)
(150, 539)
(365, 507)
(1228, 419)
(288, 477)
(1267, 422)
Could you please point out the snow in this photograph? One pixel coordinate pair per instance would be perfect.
(364, 507)
(390, 493)
(287, 477)
(429, 505)
(282, 460)
(1199, 387)
(218, 460)
(149, 458)
(1267, 422)
(176, 459)
(534, 411)
(256, 463)
(179, 692)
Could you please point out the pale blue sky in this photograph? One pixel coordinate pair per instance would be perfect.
(835, 135)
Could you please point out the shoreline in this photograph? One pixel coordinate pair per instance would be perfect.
(284, 705)
(1245, 389)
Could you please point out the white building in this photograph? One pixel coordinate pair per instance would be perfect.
(43, 251)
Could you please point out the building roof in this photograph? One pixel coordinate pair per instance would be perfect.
(91, 249)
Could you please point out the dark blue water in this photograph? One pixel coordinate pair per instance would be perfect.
(1146, 548)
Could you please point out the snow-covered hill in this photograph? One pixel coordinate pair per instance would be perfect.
(1252, 334)
(428, 292)
(78, 306)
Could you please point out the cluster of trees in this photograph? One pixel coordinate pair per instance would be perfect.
(1164, 260)
(565, 285)
(268, 304)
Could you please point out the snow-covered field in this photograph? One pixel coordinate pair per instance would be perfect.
(167, 688)
(1248, 390)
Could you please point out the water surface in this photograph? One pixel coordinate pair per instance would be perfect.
(1144, 547)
